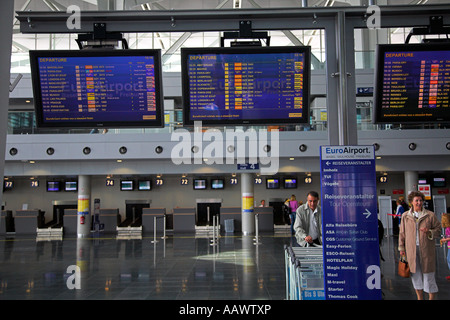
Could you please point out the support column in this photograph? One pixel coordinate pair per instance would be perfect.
(248, 216)
(6, 22)
(84, 204)
(411, 180)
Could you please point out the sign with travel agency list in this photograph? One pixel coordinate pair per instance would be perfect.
(350, 223)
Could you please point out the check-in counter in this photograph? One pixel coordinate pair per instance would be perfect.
(6, 222)
(265, 218)
(27, 221)
(110, 218)
(148, 216)
(107, 217)
(228, 213)
(70, 221)
(184, 220)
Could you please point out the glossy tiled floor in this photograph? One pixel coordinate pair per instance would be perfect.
(180, 267)
(396, 288)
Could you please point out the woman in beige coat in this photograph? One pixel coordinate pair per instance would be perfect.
(418, 230)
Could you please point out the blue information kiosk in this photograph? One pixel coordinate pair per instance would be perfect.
(350, 223)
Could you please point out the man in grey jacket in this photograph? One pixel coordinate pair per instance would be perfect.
(308, 221)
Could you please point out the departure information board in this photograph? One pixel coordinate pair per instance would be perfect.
(412, 83)
(115, 88)
(264, 85)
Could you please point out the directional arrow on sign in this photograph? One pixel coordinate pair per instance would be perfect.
(367, 213)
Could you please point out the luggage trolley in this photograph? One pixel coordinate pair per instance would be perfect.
(304, 273)
(290, 264)
(308, 268)
(309, 275)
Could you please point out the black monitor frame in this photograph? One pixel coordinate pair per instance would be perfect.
(217, 179)
(290, 178)
(122, 187)
(200, 179)
(441, 183)
(67, 183)
(185, 52)
(36, 83)
(379, 116)
(144, 189)
(273, 178)
(57, 183)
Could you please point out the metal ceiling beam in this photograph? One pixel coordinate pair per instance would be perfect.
(177, 44)
(295, 41)
(223, 19)
(20, 46)
(24, 7)
(54, 6)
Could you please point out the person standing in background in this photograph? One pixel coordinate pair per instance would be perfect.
(418, 230)
(446, 225)
(293, 204)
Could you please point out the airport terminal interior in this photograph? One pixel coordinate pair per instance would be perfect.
(152, 150)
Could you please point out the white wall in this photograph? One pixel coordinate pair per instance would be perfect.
(171, 194)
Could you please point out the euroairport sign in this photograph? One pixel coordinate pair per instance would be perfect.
(350, 223)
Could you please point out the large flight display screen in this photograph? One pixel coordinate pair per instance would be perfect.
(97, 88)
(263, 85)
(412, 83)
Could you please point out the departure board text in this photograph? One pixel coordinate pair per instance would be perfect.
(231, 86)
(97, 89)
(415, 85)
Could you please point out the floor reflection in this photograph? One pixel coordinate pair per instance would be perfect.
(179, 267)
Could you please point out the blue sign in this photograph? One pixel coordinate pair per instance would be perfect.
(364, 90)
(350, 223)
(248, 166)
(312, 294)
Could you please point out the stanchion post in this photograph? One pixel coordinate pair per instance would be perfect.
(213, 241)
(257, 230)
(217, 228)
(154, 230)
(164, 228)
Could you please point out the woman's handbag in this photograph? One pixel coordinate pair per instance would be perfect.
(445, 220)
(403, 268)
